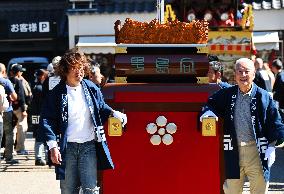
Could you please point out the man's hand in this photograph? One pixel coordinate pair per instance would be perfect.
(208, 113)
(270, 156)
(55, 156)
(122, 117)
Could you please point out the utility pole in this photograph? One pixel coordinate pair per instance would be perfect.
(160, 11)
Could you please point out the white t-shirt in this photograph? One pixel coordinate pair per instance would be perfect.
(80, 127)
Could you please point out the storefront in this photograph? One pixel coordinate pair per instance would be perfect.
(32, 28)
(268, 45)
(268, 32)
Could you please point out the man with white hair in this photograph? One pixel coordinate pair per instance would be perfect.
(262, 79)
(53, 64)
(252, 126)
(52, 79)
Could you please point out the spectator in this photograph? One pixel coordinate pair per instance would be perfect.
(71, 114)
(7, 116)
(40, 156)
(52, 79)
(213, 58)
(52, 65)
(262, 78)
(270, 73)
(20, 108)
(215, 74)
(252, 125)
(278, 89)
(95, 74)
(4, 104)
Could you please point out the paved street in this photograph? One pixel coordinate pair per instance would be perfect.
(276, 185)
(26, 178)
(277, 180)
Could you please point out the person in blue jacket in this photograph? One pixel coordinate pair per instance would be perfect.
(278, 88)
(215, 74)
(36, 104)
(252, 126)
(71, 125)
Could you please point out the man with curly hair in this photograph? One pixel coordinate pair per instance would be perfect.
(71, 125)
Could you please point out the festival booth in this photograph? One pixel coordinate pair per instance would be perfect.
(164, 148)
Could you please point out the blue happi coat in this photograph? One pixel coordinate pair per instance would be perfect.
(266, 123)
(54, 117)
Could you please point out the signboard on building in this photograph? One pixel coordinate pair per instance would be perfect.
(30, 29)
(41, 27)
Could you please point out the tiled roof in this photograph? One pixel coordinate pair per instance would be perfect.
(266, 4)
(114, 6)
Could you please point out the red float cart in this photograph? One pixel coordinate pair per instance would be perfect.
(163, 149)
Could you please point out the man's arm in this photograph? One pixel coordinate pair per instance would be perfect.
(13, 96)
(49, 118)
(106, 110)
(274, 126)
(11, 91)
(48, 125)
(216, 104)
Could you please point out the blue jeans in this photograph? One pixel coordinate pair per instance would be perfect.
(81, 169)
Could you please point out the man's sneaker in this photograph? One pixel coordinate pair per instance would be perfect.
(22, 152)
(40, 162)
(12, 161)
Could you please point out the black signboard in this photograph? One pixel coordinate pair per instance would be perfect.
(31, 28)
(128, 64)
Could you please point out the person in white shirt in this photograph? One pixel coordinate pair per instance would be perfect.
(71, 124)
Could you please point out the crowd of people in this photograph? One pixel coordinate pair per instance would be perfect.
(67, 118)
(17, 92)
(68, 113)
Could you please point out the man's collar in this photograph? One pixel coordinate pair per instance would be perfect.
(248, 93)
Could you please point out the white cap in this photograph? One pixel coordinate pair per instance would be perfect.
(50, 68)
(56, 60)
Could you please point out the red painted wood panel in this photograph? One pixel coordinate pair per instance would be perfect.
(190, 165)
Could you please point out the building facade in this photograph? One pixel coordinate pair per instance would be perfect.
(91, 26)
(33, 28)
